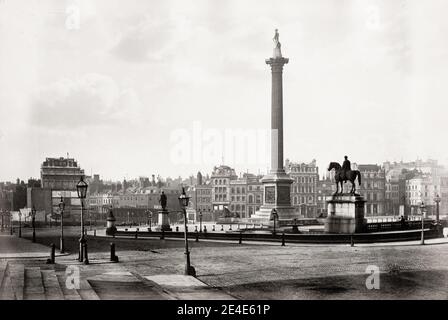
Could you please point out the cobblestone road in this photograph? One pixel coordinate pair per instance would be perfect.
(270, 271)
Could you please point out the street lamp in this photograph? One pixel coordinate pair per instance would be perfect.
(33, 221)
(422, 209)
(81, 187)
(183, 201)
(437, 200)
(274, 216)
(200, 221)
(61, 209)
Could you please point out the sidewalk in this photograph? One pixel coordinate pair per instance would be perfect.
(13, 247)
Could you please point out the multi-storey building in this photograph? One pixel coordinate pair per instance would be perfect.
(220, 181)
(59, 177)
(100, 203)
(254, 195)
(325, 188)
(304, 187)
(238, 197)
(392, 195)
(372, 188)
(60, 173)
(421, 188)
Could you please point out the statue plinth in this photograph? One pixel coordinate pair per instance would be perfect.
(111, 229)
(345, 214)
(164, 221)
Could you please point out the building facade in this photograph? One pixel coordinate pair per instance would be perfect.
(373, 189)
(325, 188)
(304, 187)
(420, 189)
(220, 181)
(60, 173)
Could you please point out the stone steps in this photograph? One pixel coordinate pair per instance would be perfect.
(16, 273)
(69, 294)
(6, 291)
(34, 280)
(29, 281)
(52, 288)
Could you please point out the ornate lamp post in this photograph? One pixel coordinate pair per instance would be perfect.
(61, 208)
(274, 216)
(183, 201)
(200, 221)
(437, 200)
(81, 187)
(422, 209)
(33, 221)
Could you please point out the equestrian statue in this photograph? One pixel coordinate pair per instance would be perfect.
(344, 173)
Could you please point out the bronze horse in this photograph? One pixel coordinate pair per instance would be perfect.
(339, 177)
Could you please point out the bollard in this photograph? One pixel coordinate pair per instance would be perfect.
(113, 256)
(196, 228)
(238, 226)
(230, 227)
(241, 238)
(94, 233)
(136, 233)
(222, 227)
(213, 229)
(205, 229)
(51, 260)
(197, 236)
(352, 243)
(86, 260)
(162, 236)
(177, 228)
(283, 239)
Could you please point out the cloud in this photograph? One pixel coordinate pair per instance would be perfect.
(89, 100)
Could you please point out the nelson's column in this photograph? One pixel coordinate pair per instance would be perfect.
(276, 184)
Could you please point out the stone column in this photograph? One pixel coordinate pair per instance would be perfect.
(276, 184)
(277, 113)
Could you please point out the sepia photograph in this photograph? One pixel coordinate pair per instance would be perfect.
(223, 155)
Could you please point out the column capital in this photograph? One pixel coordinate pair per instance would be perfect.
(273, 62)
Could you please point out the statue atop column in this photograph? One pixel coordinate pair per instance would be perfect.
(277, 45)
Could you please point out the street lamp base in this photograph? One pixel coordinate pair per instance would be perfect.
(190, 271)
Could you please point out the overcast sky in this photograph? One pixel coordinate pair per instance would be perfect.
(116, 85)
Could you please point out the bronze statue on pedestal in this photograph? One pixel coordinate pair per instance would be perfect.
(344, 173)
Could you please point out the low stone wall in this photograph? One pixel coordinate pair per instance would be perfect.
(295, 238)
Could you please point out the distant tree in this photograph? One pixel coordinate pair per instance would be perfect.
(34, 183)
(19, 201)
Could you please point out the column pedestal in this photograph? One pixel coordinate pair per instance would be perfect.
(164, 222)
(345, 214)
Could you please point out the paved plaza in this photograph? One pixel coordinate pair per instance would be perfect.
(153, 269)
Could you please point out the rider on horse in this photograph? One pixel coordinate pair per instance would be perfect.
(346, 166)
